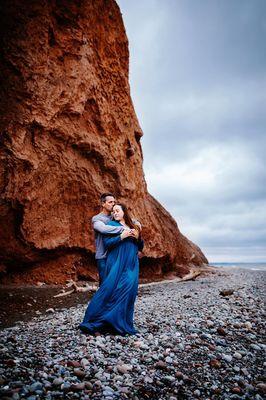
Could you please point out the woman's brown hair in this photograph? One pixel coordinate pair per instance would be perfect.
(127, 217)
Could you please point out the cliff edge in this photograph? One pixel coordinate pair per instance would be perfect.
(68, 133)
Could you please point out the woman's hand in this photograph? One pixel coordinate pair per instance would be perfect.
(126, 233)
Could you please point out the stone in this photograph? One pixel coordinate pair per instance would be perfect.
(255, 347)
(73, 363)
(248, 325)
(124, 389)
(124, 368)
(79, 372)
(206, 336)
(196, 393)
(179, 375)
(36, 386)
(221, 331)
(88, 385)
(148, 380)
(245, 371)
(2, 380)
(214, 363)
(261, 387)
(160, 365)
(169, 378)
(78, 386)
(236, 389)
(226, 292)
(58, 381)
(227, 357)
(169, 360)
(84, 362)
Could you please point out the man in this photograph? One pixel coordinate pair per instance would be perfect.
(99, 223)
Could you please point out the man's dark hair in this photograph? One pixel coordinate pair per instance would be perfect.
(104, 195)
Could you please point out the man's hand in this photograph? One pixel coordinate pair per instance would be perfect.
(140, 254)
(135, 233)
(138, 223)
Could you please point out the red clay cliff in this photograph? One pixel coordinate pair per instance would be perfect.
(68, 133)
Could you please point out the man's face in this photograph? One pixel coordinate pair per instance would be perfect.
(108, 203)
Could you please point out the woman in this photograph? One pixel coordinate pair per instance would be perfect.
(111, 308)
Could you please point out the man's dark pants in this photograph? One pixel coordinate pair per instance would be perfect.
(101, 263)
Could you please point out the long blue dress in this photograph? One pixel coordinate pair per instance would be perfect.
(112, 307)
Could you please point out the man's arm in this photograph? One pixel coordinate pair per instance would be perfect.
(136, 222)
(101, 227)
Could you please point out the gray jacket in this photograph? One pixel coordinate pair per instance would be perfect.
(99, 223)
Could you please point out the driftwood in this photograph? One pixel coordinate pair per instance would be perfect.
(188, 277)
(61, 294)
(75, 288)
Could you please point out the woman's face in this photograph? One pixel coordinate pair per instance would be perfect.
(118, 213)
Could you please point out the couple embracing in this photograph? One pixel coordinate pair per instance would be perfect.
(118, 241)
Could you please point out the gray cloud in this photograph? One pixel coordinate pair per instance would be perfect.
(198, 80)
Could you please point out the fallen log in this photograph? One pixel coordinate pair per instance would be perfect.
(190, 276)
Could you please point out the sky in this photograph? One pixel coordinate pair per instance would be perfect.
(198, 84)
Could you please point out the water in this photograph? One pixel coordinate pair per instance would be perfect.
(253, 266)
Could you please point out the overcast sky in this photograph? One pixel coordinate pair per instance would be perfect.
(198, 83)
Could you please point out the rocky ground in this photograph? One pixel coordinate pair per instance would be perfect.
(199, 339)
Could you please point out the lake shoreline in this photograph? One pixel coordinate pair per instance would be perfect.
(22, 303)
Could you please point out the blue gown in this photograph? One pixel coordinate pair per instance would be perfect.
(111, 309)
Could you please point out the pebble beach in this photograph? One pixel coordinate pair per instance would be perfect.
(199, 339)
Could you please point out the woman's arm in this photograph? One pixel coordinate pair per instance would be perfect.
(111, 241)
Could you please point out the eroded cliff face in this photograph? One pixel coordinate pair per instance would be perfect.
(68, 133)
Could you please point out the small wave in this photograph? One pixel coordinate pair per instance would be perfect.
(250, 266)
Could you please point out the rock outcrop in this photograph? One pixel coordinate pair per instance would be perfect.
(68, 133)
